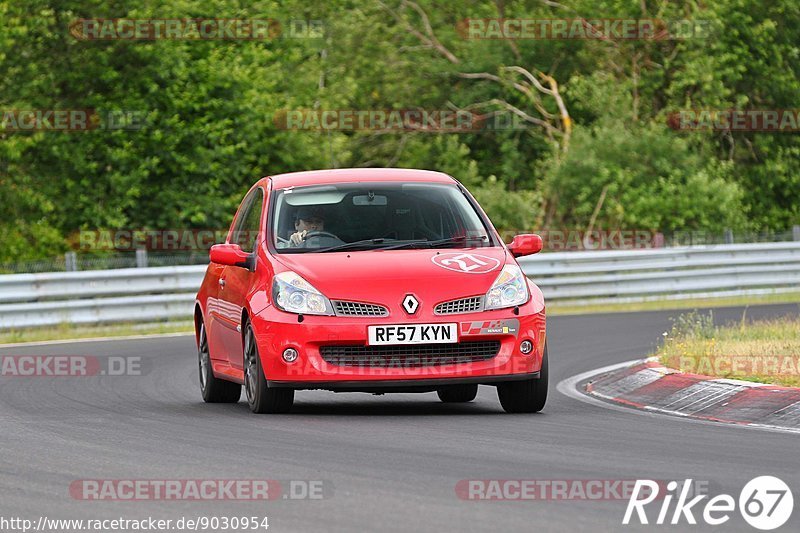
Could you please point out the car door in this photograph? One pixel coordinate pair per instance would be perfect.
(214, 313)
(235, 283)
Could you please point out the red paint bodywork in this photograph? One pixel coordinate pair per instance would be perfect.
(378, 276)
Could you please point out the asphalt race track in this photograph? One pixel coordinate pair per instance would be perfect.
(390, 463)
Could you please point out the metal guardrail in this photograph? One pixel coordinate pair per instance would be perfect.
(153, 294)
(667, 273)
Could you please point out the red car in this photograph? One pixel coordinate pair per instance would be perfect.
(370, 280)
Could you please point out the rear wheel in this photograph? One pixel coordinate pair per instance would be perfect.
(214, 390)
(260, 398)
(458, 393)
(527, 396)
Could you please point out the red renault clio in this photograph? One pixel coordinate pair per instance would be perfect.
(370, 280)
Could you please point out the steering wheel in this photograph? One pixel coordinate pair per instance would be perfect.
(321, 239)
(318, 234)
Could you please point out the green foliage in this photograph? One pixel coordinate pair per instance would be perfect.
(693, 325)
(207, 112)
(652, 181)
(517, 211)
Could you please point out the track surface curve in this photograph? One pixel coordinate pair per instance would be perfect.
(393, 461)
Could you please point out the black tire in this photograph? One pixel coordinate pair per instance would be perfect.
(214, 390)
(260, 398)
(458, 393)
(528, 396)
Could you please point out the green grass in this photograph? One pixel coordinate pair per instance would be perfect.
(67, 331)
(566, 308)
(766, 351)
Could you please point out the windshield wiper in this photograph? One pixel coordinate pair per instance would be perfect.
(433, 244)
(350, 245)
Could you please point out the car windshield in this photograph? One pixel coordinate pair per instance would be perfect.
(374, 216)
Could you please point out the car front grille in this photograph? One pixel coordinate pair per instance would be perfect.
(342, 308)
(412, 355)
(463, 305)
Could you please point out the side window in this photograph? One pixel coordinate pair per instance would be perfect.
(248, 225)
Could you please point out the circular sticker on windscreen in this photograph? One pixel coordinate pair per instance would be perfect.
(467, 263)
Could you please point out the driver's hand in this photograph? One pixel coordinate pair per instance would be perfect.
(298, 238)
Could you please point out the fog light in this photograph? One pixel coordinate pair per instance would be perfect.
(525, 347)
(290, 355)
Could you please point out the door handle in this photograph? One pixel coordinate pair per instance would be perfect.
(222, 283)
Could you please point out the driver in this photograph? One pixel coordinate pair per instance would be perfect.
(306, 219)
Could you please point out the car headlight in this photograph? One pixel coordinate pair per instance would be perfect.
(293, 294)
(508, 290)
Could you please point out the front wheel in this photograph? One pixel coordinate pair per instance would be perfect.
(260, 398)
(527, 396)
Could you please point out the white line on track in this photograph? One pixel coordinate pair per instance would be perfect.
(569, 387)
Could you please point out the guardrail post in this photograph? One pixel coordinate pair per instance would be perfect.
(728, 236)
(71, 262)
(141, 258)
(796, 232)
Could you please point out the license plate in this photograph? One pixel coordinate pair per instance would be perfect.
(412, 334)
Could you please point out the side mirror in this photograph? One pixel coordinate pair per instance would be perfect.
(525, 244)
(231, 255)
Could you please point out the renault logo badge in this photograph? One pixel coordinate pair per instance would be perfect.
(410, 304)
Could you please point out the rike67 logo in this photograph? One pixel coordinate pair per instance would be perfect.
(765, 503)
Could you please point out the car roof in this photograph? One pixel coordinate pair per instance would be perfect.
(352, 175)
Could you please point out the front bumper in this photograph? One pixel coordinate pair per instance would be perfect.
(399, 385)
(276, 331)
